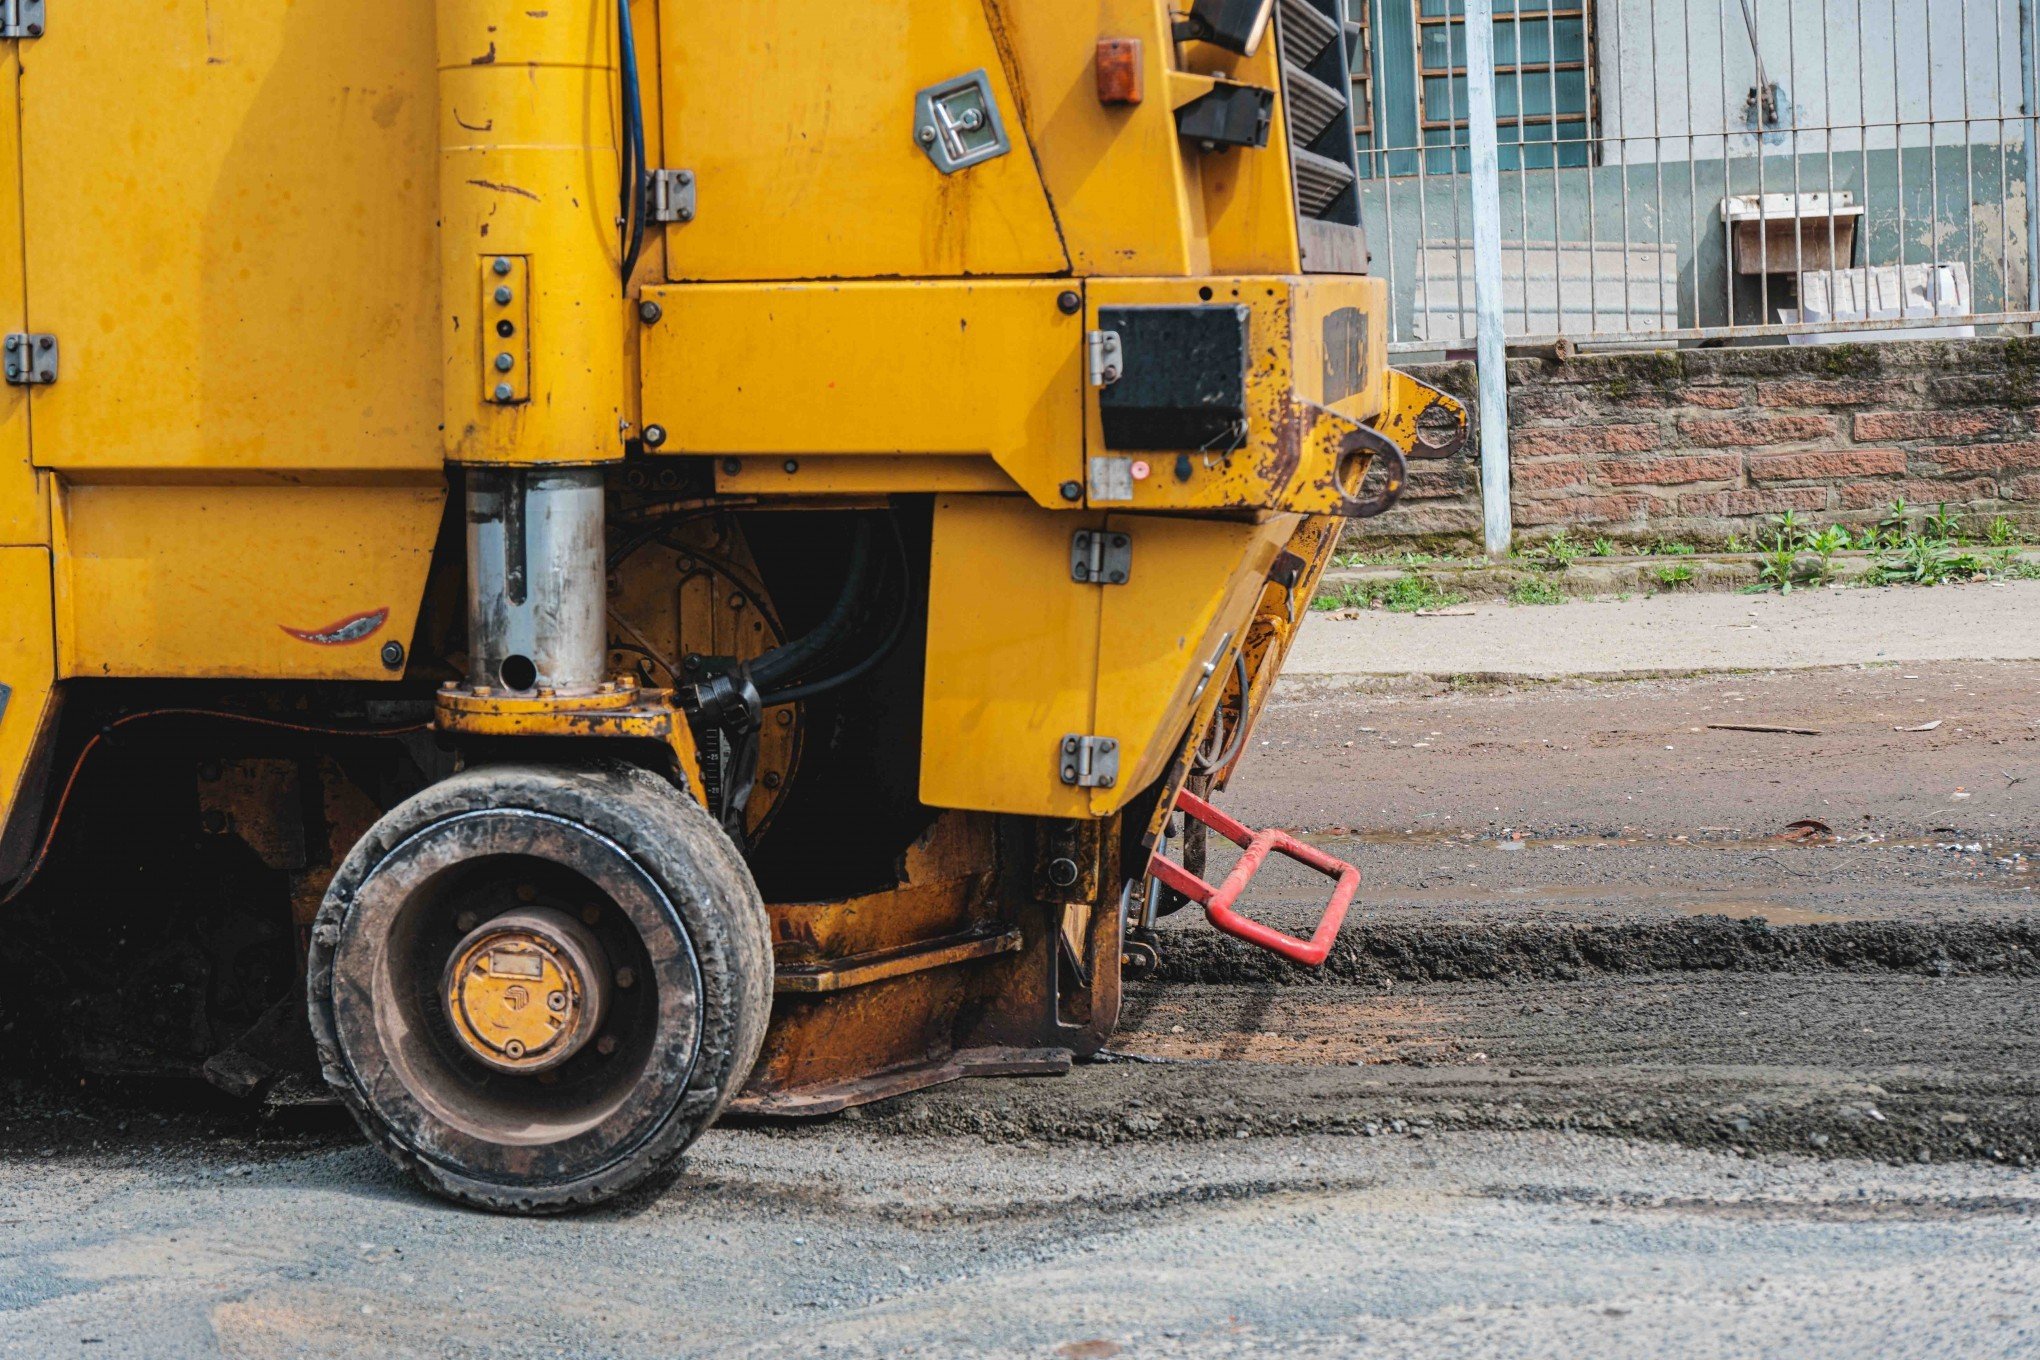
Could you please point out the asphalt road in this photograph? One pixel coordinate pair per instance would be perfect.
(1608, 1063)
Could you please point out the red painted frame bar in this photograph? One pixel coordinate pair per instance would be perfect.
(1218, 902)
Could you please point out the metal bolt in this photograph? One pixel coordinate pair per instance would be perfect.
(467, 920)
(1068, 302)
(650, 312)
(655, 435)
(45, 343)
(772, 779)
(927, 136)
(785, 718)
(14, 370)
(626, 977)
(514, 1049)
(503, 296)
(732, 466)
(1062, 872)
(1072, 491)
(792, 465)
(502, 265)
(684, 178)
(13, 343)
(1107, 781)
(505, 362)
(393, 656)
(504, 391)
(555, 1001)
(1069, 774)
(1110, 375)
(606, 1045)
(972, 120)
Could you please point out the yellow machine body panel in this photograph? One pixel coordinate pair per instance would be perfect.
(1012, 652)
(24, 496)
(230, 222)
(1022, 656)
(886, 373)
(533, 313)
(253, 582)
(27, 664)
(1164, 642)
(797, 120)
(1317, 348)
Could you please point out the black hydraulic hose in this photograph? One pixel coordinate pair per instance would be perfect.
(878, 654)
(1239, 732)
(782, 663)
(635, 175)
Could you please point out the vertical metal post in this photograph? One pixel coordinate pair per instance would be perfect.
(2026, 102)
(1487, 274)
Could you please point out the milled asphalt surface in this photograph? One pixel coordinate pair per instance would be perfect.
(1608, 1062)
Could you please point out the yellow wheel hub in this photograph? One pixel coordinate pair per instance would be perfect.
(526, 991)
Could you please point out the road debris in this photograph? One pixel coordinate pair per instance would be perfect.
(1766, 727)
(1923, 727)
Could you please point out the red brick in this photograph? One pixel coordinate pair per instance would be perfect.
(1714, 398)
(1769, 501)
(1729, 432)
(1984, 457)
(1552, 403)
(1837, 463)
(2024, 487)
(1930, 424)
(1543, 474)
(1585, 439)
(1918, 491)
(1830, 392)
(1431, 480)
(1587, 509)
(1698, 467)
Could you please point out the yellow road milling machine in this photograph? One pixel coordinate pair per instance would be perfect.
(633, 559)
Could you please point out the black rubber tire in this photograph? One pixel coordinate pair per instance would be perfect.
(707, 890)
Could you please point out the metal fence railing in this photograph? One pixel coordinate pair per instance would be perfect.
(1703, 169)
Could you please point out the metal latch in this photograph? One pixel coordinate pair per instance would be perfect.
(1108, 358)
(21, 18)
(670, 196)
(957, 123)
(1101, 558)
(1090, 762)
(31, 359)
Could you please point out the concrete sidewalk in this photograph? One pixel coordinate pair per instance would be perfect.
(1680, 633)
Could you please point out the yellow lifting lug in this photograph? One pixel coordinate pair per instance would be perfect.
(616, 708)
(1421, 420)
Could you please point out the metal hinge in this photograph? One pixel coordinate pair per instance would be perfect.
(1089, 762)
(670, 196)
(31, 359)
(1107, 358)
(21, 18)
(1100, 558)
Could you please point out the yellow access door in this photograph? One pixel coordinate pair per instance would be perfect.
(238, 255)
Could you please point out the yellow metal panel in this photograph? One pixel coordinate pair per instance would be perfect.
(1288, 460)
(230, 225)
(24, 508)
(821, 371)
(27, 663)
(1012, 657)
(797, 119)
(528, 194)
(1248, 198)
(1186, 606)
(1117, 175)
(259, 582)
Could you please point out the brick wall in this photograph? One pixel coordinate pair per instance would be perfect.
(1699, 444)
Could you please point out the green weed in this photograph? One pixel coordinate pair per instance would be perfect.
(1674, 576)
(1536, 592)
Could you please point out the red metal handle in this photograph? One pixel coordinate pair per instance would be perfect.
(1217, 902)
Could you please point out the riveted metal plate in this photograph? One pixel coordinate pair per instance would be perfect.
(957, 123)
